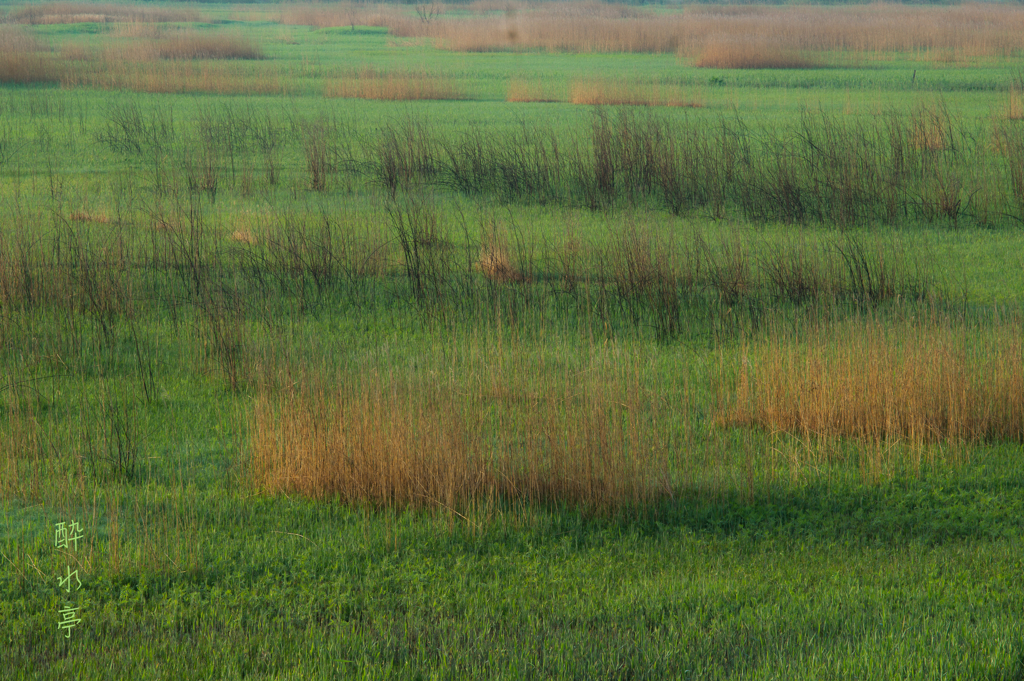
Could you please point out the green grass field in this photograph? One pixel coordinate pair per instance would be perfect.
(350, 357)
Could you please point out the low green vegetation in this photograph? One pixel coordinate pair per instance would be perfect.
(357, 350)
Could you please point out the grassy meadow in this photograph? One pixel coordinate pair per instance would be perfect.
(507, 340)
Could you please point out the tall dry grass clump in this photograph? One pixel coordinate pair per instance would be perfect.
(22, 59)
(885, 381)
(632, 93)
(496, 262)
(588, 440)
(742, 54)
(147, 44)
(394, 86)
(961, 30)
(96, 12)
(369, 447)
(1015, 105)
(539, 90)
(179, 77)
(338, 14)
(188, 45)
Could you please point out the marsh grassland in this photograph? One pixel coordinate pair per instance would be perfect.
(503, 340)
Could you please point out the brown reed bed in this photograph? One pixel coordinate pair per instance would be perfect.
(175, 45)
(337, 14)
(161, 61)
(538, 90)
(616, 92)
(884, 381)
(97, 12)
(1015, 105)
(961, 30)
(588, 441)
(370, 84)
(394, 86)
(732, 54)
(495, 260)
(22, 58)
(188, 45)
(177, 77)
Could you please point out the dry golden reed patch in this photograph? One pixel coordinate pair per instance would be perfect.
(739, 54)
(179, 45)
(244, 237)
(449, 443)
(95, 12)
(179, 77)
(22, 58)
(931, 128)
(963, 30)
(537, 90)
(173, 61)
(338, 14)
(394, 86)
(87, 216)
(1015, 106)
(496, 264)
(188, 45)
(885, 381)
(615, 92)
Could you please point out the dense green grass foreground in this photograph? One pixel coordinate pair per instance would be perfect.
(916, 578)
(506, 386)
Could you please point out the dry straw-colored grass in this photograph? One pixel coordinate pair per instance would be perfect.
(95, 12)
(180, 77)
(173, 62)
(22, 59)
(614, 92)
(583, 441)
(496, 264)
(961, 30)
(180, 45)
(188, 45)
(338, 14)
(885, 381)
(734, 54)
(1015, 106)
(244, 237)
(90, 216)
(537, 90)
(931, 128)
(394, 86)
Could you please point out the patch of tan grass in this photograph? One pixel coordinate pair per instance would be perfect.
(616, 92)
(178, 77)
(583, 440)
(76, 52)
(539, 90)
(172, 62)
(244, 237)
(930, 128)
(88, 216)
(188, 45)
(22, 59)
(338, 14)
(1015, 106)
(496, 264)
(394, 86)
(734, 54)
(963, 30)
(95, 12)
(885, 381)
